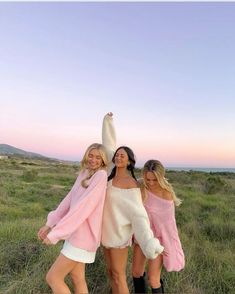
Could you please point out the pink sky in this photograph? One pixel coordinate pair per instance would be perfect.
(168, 79)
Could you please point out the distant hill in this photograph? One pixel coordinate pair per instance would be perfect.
(10, 150)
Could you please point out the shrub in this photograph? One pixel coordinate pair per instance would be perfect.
(29, 175)
(215, 184)
(22, 252)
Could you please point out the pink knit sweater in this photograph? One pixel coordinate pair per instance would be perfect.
(161, 214)
(78, 217)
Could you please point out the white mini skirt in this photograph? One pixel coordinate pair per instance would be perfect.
(77, 254)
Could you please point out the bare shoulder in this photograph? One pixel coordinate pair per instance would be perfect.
(167, 195)
(131, 183)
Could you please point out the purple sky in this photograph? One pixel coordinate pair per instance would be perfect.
(166, 71)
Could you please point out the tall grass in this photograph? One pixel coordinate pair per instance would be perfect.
(29, 189)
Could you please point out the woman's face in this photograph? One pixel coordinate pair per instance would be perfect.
(150, 180)
(121, 158)
(94, 160)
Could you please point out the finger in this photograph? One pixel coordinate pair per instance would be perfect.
(39, 236)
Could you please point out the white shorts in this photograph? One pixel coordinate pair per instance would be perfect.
(77, 254)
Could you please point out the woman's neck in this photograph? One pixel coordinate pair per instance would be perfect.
(121, 173)
(155, 190)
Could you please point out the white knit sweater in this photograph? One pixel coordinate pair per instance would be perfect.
(124, 213)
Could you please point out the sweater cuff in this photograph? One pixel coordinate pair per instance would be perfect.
(49, 224)
(52, 238)
(153, 248)
(51, 220)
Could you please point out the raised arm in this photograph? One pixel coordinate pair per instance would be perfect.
(109, 136)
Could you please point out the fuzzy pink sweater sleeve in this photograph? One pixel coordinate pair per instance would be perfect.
(81, 209)
(56, 215)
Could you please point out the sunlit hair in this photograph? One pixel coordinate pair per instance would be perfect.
(156, 167)
(131, 165)
(84, 162)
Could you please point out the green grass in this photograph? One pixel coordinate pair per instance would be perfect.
(29, 189)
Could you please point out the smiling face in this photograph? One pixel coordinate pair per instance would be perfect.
(94, 159)
(121, 158)
(151, 180)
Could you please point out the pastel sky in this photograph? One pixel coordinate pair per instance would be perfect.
(166, 71)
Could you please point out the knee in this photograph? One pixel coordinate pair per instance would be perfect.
(117, 276)
(109, 272)
(50, 278)
(77, 278)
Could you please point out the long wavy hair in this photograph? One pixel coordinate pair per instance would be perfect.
(156, 167)
(84, 162)
(131, 165)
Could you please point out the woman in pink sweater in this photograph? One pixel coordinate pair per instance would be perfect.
(159, 200)
(77, 220)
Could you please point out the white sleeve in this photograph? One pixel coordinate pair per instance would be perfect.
(150, 246)
(109, 139)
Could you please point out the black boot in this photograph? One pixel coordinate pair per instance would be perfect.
(161, 281)
(160, 289)
(140, 285)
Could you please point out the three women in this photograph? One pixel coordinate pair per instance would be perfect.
(77, 220)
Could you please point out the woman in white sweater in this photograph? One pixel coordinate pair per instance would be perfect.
(124, 213)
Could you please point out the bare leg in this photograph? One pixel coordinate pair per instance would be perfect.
(79, 279)
(138, 262)
(108, 263)
(154, 271)
(118, 267)
(138, 274)
(55, 276)
(116, 262)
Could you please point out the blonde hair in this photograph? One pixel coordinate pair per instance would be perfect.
(156, 167)
(84, 162)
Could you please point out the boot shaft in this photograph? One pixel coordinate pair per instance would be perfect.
(140, 285)
(159, 290)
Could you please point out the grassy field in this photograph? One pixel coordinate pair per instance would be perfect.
(29, 189)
